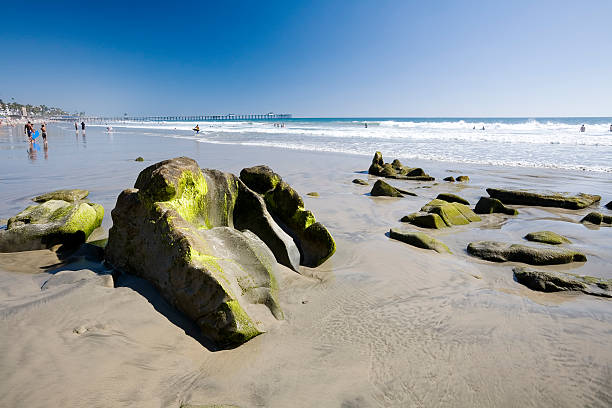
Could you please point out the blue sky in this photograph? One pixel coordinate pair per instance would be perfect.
(318, 58)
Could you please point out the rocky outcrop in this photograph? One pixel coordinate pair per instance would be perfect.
(597, 218)
(503, 252)
(64, 195)
(451, 213)
(544, 200)
(547, 237)
(382, 189)
(487, 205)
(549, 281)
(206, 242)
(362, 182)
(396, 170)
(51, 223)
(419, 239)
(314, 242)
(452, 198)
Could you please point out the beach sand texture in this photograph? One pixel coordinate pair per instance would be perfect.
(380, 324)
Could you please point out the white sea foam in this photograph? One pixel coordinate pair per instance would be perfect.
(531, 143)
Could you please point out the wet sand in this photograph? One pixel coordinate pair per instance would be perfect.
(380, 324)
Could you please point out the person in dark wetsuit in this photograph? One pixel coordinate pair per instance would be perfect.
(43, 130)
(83, 125)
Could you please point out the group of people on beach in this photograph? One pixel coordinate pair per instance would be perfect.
(76, 126)
(30, 131)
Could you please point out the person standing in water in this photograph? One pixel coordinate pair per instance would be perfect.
(83, 125)
(582, 129)
(43, 130)
(76, 126)
(197, 129)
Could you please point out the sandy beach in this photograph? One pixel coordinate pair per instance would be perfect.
(379, 324)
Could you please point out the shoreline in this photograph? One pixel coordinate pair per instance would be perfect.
(378, 324)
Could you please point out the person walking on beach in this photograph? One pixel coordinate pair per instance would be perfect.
(582, 129)
(83, 125)
(43, 130)
(76, 126)
(29, 130)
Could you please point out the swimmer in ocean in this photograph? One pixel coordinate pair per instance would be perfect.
(197, 129)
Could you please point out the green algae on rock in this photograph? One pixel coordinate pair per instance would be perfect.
(64, 195)
(396, 170)
(487, 205)
(360, 181)
(313, 194)
(544, 200)
(547, 237)
(425, 220)
(51, 223)
(550, 281)
(313, 240)
(451, 213)
(450, 179)
(462, 179)
(206, 242)
(139, 159)
(419, 239)
(452, 198)
(504, 252)
(597, 218)
(383, 189)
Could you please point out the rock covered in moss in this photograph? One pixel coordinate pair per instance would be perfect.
(51, 223)
(313, 194)
(205, 241)
(550, 281)
(452, 198)
(487, 205)
(425, 220)
(314, 242)
(63, 195)
(450, 179)
(396, 170)
(597, 218)
(139, 159)
(419, 239)
(547, 237)
(463, 179)
(504, 252)
(451, 213)
(360, 181)
(383, 189)
(544, 200)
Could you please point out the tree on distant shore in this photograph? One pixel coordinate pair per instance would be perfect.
(38, 110)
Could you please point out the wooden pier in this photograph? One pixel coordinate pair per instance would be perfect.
(189, 118)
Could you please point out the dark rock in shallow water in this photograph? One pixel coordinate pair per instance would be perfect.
(139, 159)
(192, 233)
(609, 205)
(487, 205)
(313, 194)
(51, 223)
(503, 252)
(449, 179)
(64, 195)
(362, 182)
(425, 220)
(418, 239)
(381, 188)
(549, 281)
(452, 198)
(315, 243)
(396, 170)
(597, 218)
(547, 237)
(462, 179)
(544, 200)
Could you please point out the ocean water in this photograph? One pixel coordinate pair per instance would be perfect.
(539, 142)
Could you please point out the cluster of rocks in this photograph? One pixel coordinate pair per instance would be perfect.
(62, 217)
(446, 210)
(210, 242)
(460, 179)
(597, 219)
(396, 170)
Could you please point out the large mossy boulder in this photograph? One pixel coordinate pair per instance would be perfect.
(313, 240)
(544, 200)
(487, 205)
(452, 198)
(504, 252)
(383, 189)
(425, 220)
(547, 237)
(550, 281)
(396, 170)
(419, 239)
(451, 213)
(64, 195)
(597, 218)
(207, 242)
(51, 223)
